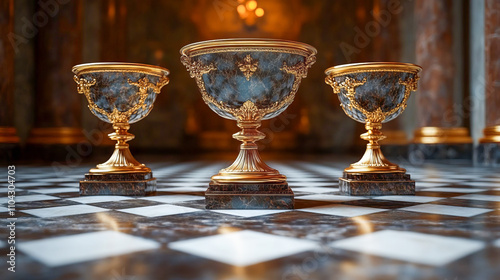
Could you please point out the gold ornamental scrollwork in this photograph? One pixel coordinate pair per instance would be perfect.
(117, 116)
(248, 66)
(247, 111)
(376, 116)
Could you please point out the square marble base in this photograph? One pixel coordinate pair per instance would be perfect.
(376, 184)
(249, 196)
(131, 184)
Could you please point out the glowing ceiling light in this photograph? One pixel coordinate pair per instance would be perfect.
(259, 12)
(241, 10)
(251, 5)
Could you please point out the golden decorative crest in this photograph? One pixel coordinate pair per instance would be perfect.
(247, 112)
(248, 66)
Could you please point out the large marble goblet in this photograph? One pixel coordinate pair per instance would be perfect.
(373, 93)
(120, 94)
(248, 80)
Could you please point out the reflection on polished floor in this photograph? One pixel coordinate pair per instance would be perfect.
(449, 230)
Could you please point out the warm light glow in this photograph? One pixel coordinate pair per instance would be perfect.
(364, 225)
(259, 12)
(107, 221)
(251, 5)
(241, 10)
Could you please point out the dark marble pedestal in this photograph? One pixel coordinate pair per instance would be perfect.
(249, 196)
(420, 153)
(131, 184)
(376, 184)
(487, 154)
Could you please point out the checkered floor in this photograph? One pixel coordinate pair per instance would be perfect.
(449, 230)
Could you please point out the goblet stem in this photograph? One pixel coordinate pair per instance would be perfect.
(373, 160)
(121, 161)
(248, 166)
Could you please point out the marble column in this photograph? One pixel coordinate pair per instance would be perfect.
(439, 122)
(58, 48)
(492, 71)
(8, 134)
(488, 97)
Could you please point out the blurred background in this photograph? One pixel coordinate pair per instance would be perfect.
(43, 116)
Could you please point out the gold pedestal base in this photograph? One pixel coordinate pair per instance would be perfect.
(8, 135)
(249, 166)
(442, 135)
(121, 161)
(56, 135)
(373, 161)
(491, 135)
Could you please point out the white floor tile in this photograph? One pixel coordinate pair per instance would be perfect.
(32, 184)
(167, 188)
(446, 210)
(428, 249)
(342, 210)
(482, 184)
(64, 211)
(420, 184)
(408, 198)
(330, 197)
(496, 243)
(484, 197)
(55, 190)
(4, 189)
(311, 179)
(58, 251)
(249, 213)
(187, 179)
(441, 181)
(173, 198)
(184, 184)
(453, 190)
(494, 180)
(311, 184)
(243, 248)
(159, 210)
(28, 198)
(315, 190)
(99, 198)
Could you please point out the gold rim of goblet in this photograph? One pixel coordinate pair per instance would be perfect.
(372, 67)
(119, 67)
(256, 44)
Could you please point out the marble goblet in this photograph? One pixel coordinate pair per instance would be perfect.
(120, 94)
(373, 93)
(248, 80)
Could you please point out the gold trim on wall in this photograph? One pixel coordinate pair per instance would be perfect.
(491, 135)
(442, 135)
(8, 134)
(56, 135)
